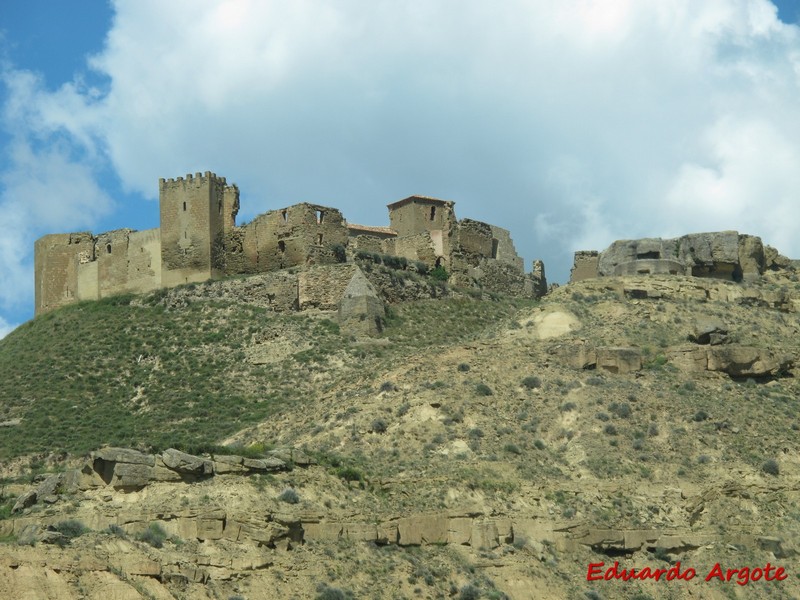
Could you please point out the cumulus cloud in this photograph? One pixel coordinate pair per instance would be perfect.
(571, 122)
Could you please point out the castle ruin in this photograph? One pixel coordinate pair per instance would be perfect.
(198, 239)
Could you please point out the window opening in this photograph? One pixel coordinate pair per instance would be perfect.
(319, 239)
(108, 248)
(320, 216)
(433, 212)
(282, 246)
(285, 216)
(495, 246)
(184, 206)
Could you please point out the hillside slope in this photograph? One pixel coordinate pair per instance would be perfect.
(479, 448)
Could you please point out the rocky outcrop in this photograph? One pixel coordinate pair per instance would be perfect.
(724, 255)
(734, 360)
(619, 360)
(126, 469)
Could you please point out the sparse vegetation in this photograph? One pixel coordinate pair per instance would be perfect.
(289, 496)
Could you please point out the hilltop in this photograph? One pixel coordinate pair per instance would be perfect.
(479, 446)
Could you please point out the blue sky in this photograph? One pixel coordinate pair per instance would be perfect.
(570, 122)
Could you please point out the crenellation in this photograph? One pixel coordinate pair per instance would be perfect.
(198, 239)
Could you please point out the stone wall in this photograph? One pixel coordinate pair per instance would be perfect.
(195, 211)
(56, 261)
(198, 240)
(584, 266)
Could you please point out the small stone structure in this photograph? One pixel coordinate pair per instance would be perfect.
(198, 239)
(725, 255)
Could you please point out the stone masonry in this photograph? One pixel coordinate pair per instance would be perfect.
(198, 239)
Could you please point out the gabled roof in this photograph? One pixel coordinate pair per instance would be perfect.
(425, 199)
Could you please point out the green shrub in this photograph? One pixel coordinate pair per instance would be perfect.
(349, 474)
(325, 592)
(439, 274)
(531, 382)
(71, 528)
(620, 409)
(469, 592)
(771, 467)
(463, 367)
(153, 535)
(289, 496)
(483, 390)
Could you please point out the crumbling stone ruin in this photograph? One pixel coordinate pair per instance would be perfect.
(198, 239)
(726, 255)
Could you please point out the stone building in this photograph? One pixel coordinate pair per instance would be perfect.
(198, 239)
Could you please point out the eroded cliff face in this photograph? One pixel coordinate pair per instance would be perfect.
(726, 255)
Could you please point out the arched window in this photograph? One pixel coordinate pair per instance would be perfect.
(433, 213)
(285, 216)
(282, 246)
(108, 248)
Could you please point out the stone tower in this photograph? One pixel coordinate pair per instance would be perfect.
(197, 213)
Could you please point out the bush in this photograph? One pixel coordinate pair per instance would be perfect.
(483, 390)
(610, 429)
(153, 535)
(70, 529)
(403, 409)
(771, 467)
(439, 274)
(512, 449)
(539, 444)
(531, 382)
(699, 416)
(620, 409)
(469, 592)
(289, 496)
(463, 367)
(339, 253)
(349, 474)
(325, 592)
(379, 426)
(117, 531)
(568, 406)
(387, 386)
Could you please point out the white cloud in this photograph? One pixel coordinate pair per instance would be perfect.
(572, 122)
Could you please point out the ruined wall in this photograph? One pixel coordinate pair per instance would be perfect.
(584, 266)
(419, 247)
(56, 260)
(322, 287)
(296, 235)
(503, 248)
(195, 213)
(473, 243)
